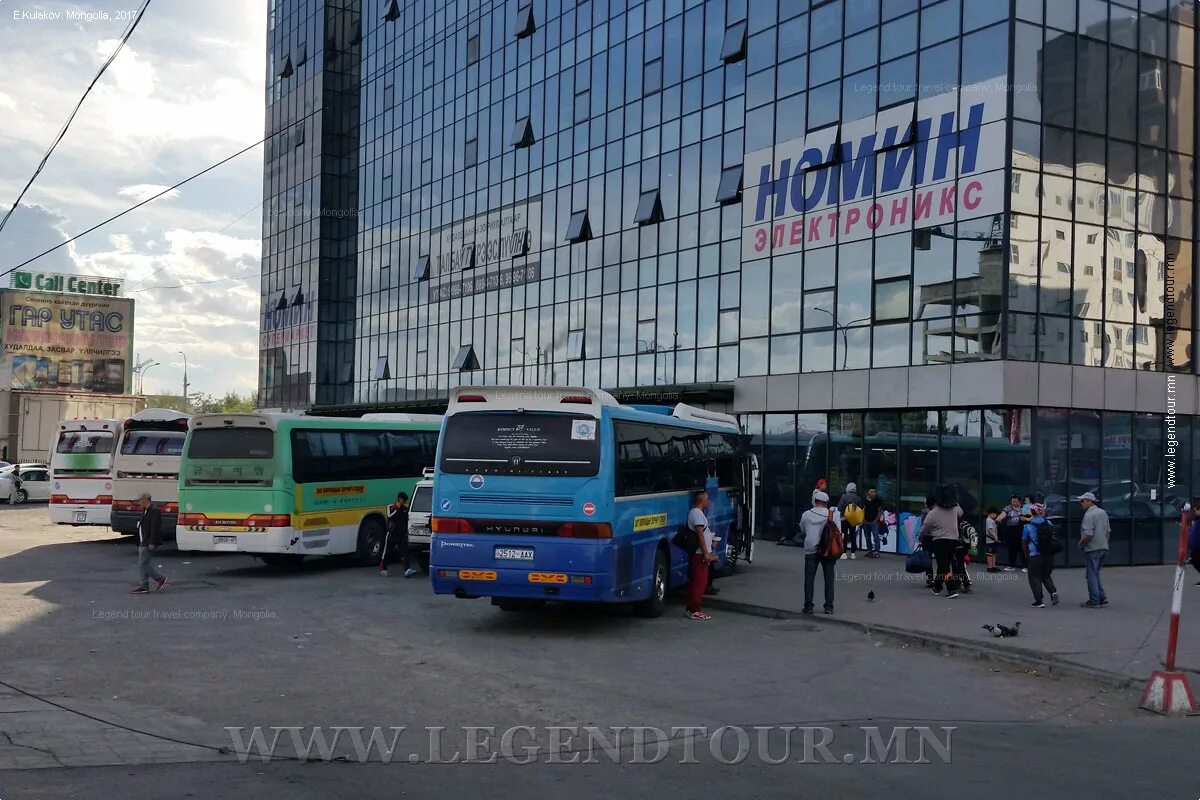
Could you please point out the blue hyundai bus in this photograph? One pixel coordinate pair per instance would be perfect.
(552, 493)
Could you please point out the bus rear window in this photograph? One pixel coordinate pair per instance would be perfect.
(84, 442)
(232, 443)
(552, 445)
(153, 443)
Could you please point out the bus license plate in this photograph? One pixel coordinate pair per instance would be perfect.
(81, 516)
(515, 553)
(225, 542)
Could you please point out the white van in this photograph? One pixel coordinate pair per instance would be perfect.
(419, 507)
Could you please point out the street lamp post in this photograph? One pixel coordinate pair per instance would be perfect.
(842, 329)
(142, 376)
(186, 405)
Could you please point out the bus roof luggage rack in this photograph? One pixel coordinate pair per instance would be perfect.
(527, 398)
(684, 411)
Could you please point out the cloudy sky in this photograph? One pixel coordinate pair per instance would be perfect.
(186, 91)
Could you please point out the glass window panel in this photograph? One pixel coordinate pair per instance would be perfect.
(819, 267)
(755, 283)
(1028, 55)
(939, 69)
(961, 459)
(898, 80)
(785, 354)
(899, 37)
(826, 24)
(817, 353)
(818, 310)
(786, 293)
(919, 446)
(892, 300)
(854, 283)
(891, 345)
(779, 490)
(939, 22)
(1116, 449)
(861, 51)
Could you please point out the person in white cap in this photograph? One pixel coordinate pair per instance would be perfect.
(812, 525)
(1093, 543)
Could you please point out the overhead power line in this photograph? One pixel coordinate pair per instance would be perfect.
(152, 198)
(63, 131)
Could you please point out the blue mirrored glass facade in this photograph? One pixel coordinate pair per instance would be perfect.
(776, 206)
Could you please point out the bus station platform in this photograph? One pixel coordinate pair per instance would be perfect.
(1118, 645)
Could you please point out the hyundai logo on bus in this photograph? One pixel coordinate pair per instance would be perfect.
(913, 172)
(476, 481)
(445, 505)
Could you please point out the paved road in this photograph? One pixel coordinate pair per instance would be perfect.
(230, 643)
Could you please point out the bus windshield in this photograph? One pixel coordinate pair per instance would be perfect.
(84, 442)
(553, 445)
(153, 443)
(232, 443)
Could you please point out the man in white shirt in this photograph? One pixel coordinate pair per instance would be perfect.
(700, 560)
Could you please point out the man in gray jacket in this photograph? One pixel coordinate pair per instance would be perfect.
(812, 527)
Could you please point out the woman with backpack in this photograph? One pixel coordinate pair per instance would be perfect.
(1039, 543)
(940, 529)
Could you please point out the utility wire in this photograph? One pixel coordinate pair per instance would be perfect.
(63, 131)
(115, 217)
(152, 198)
(140, 284)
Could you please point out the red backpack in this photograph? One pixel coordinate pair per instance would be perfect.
(832, 545)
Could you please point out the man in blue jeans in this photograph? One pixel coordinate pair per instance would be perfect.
(1093, 542)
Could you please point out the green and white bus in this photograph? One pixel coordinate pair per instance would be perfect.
(286, 486)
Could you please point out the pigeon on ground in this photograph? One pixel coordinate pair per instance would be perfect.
(1002, 631)
(871, 596)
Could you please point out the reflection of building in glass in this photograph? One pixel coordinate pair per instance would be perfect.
(958, 235)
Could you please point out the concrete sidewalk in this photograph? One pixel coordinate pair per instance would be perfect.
(1119, 644)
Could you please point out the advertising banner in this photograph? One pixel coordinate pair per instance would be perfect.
(66, 342)
(917, 165)
(476, 255)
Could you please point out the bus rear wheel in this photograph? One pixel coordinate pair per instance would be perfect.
(371, 536)
(656, 603)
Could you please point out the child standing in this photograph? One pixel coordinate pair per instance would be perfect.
(991, 537)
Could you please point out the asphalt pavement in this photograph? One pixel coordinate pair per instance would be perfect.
(107, 694)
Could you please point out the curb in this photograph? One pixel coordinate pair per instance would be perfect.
(947, 645)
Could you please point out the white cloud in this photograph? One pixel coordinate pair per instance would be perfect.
(130, 72)
(186, 91)
(141, 191)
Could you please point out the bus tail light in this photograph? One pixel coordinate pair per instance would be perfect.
(124, 505)
(170, 508)
(192, 519)
(451, 525)
(58, 499)
(472, 398)
(585, 530)
(577, 399)
(269, 521)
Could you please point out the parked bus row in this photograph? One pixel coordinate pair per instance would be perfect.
(519, 494)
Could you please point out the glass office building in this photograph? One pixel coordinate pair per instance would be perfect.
(907, 241)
